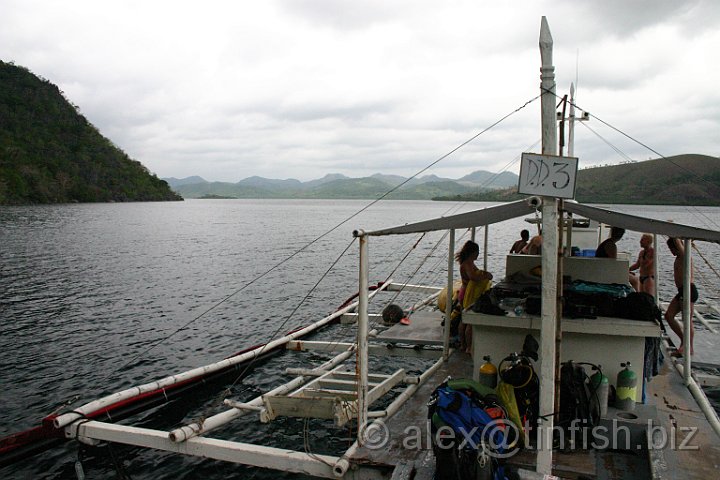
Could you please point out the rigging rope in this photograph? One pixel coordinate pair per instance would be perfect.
(435, 162)
(288, 317)
(694, 174)
(697, 250)
(608, 143)
(160, 341)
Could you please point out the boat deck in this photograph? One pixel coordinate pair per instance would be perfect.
(425, 329)
(678, 412)
(404, 426)
(668, 401)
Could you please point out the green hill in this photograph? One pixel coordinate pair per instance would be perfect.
(330, 186)
(678, 180)
(49, 153)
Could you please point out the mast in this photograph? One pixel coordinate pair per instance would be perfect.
(571, 123)
(549, 259)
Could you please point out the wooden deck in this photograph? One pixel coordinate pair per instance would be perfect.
(425, 329)
(669, 403)
(404, 426)
(678, 412)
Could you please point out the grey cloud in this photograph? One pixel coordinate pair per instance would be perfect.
(345, 14)
(590, 20)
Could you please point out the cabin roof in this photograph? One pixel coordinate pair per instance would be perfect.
(506, 211)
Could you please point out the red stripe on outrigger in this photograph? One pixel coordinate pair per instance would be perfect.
(153, 393)
(47, 430)
(43, 432)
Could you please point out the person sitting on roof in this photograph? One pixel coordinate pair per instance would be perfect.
(646, 263)
(474, 283)
(608, 248)
(520, 244)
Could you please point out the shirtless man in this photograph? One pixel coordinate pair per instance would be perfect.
(520, 244)
(608, 248)
(678, 249)
(646, 264)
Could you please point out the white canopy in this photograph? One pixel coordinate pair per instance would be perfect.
(506, 211)
(485, 216)
(640, 224)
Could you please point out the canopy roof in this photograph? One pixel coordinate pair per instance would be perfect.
(640, 224)
(506, 211)
(485, 216)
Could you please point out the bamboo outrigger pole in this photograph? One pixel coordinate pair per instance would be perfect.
(549, 260)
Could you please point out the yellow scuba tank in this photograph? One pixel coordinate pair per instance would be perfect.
(487, 373)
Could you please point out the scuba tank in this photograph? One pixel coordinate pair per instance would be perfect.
(599, 389)
(487, 373)
(626, 388)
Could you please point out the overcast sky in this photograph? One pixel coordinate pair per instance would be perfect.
(302, 88)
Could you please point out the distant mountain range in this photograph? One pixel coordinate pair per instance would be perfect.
(335, 185)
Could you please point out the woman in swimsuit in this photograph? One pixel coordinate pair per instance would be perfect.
(474, 282)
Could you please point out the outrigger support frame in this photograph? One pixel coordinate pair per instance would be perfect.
(225, 450)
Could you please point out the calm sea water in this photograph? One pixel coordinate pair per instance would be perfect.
(96, 298)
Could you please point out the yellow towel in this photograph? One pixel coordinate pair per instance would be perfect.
(442, 298)
(506, 394)
(473, 291)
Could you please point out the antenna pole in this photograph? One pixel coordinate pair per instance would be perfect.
(571, 123)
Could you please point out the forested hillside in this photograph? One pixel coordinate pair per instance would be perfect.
(49, 153)
(677, 180)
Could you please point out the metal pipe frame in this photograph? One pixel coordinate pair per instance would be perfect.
(362, 339)
(373, 349)
(449, 302)
(687, 318)
(211, 423)
(698, 394)
(228, 451)
(343, 463)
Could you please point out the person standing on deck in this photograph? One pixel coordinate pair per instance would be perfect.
(608, 248)
(646, 263)
(474, 283)
(678, 250)
(520, 244)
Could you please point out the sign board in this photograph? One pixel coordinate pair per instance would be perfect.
(547, 175)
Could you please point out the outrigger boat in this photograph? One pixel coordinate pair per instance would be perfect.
(345, 395)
